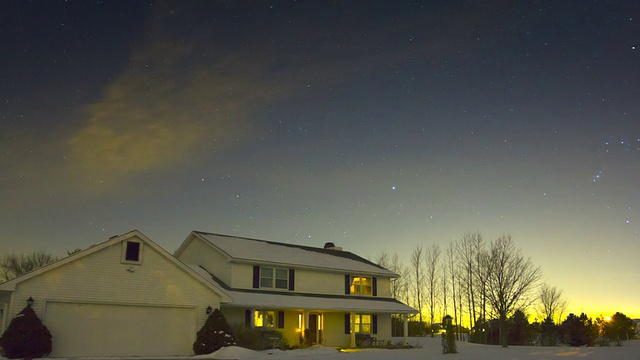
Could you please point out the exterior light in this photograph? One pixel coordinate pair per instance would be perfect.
(209, 310)
(30, 301)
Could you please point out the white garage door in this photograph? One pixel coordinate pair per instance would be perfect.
(119, 330)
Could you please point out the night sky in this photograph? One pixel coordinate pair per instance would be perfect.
(374, 125)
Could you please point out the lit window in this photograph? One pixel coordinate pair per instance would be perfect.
(361, 285)
(362, 324)
(274, 278)
(264, 319)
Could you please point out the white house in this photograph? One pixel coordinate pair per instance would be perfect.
(328, 293)
(129, 297)
(126, 296)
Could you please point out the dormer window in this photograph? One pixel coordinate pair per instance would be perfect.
(132, 252)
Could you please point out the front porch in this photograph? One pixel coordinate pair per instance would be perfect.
(307, 327)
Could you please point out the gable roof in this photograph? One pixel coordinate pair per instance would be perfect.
(241, 249)
(11, 284)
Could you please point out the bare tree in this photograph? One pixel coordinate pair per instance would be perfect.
(445, 287)
(460, 285)
(432, 277)
(480, 273)
(465, 250)
(14, 265)
(383, 259)
(551, 305)
(511, 278)
(399, 284)
(450, 272)
(418, 277)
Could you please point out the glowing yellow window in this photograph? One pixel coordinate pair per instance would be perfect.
(362, 324)
(361, 285)
(266, 319)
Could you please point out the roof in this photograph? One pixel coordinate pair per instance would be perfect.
(242, 249)
(250, 298)
(11, 284)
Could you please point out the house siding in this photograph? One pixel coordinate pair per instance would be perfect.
(200, 253)
(334, 330)
(101, 278)
(5, 300)
(316, 282)
(241, 276)
(306, 281)
(384, 286)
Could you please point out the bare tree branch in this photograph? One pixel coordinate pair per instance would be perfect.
(511, 277)
(14, 265)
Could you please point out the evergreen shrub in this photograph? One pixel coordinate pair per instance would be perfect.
(215, 334)
(26, 337)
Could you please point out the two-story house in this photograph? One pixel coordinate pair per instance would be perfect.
(127, 296)
(327, 293)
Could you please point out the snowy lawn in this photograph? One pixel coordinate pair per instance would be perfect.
(430, 349)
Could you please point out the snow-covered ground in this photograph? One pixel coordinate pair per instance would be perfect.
(429, 348)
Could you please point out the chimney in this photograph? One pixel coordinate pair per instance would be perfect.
(332, 246)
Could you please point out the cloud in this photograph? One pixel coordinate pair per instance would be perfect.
(160, 112)
(188, 91)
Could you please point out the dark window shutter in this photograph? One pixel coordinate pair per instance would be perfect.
(292, 279)
(375, 286)
(347, 323)
(247, 317)
(280, 319)
(347, 284)
(374, 321)
(256, 276)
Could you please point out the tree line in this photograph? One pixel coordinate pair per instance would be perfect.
(481, 284)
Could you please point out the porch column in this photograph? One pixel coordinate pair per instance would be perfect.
(352, 326)
(252, 318)
(405, 329)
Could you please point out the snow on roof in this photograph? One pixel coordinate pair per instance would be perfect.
(286, 300)
(254, 250)
(252, 299)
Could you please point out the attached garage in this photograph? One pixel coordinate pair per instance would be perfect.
(120, 330)
(124, 297)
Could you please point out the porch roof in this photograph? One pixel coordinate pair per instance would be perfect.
(261, 299)
(316, 302)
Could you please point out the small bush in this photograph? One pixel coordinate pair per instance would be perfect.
(26, 337)
(248, 337)
(215, 334)
(260, 339)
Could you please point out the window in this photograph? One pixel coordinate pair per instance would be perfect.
(264, 319)
(362, 324)
(274, 278)
(361, 285)
(131, 252)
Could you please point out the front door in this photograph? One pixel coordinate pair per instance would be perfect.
(313, 328)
